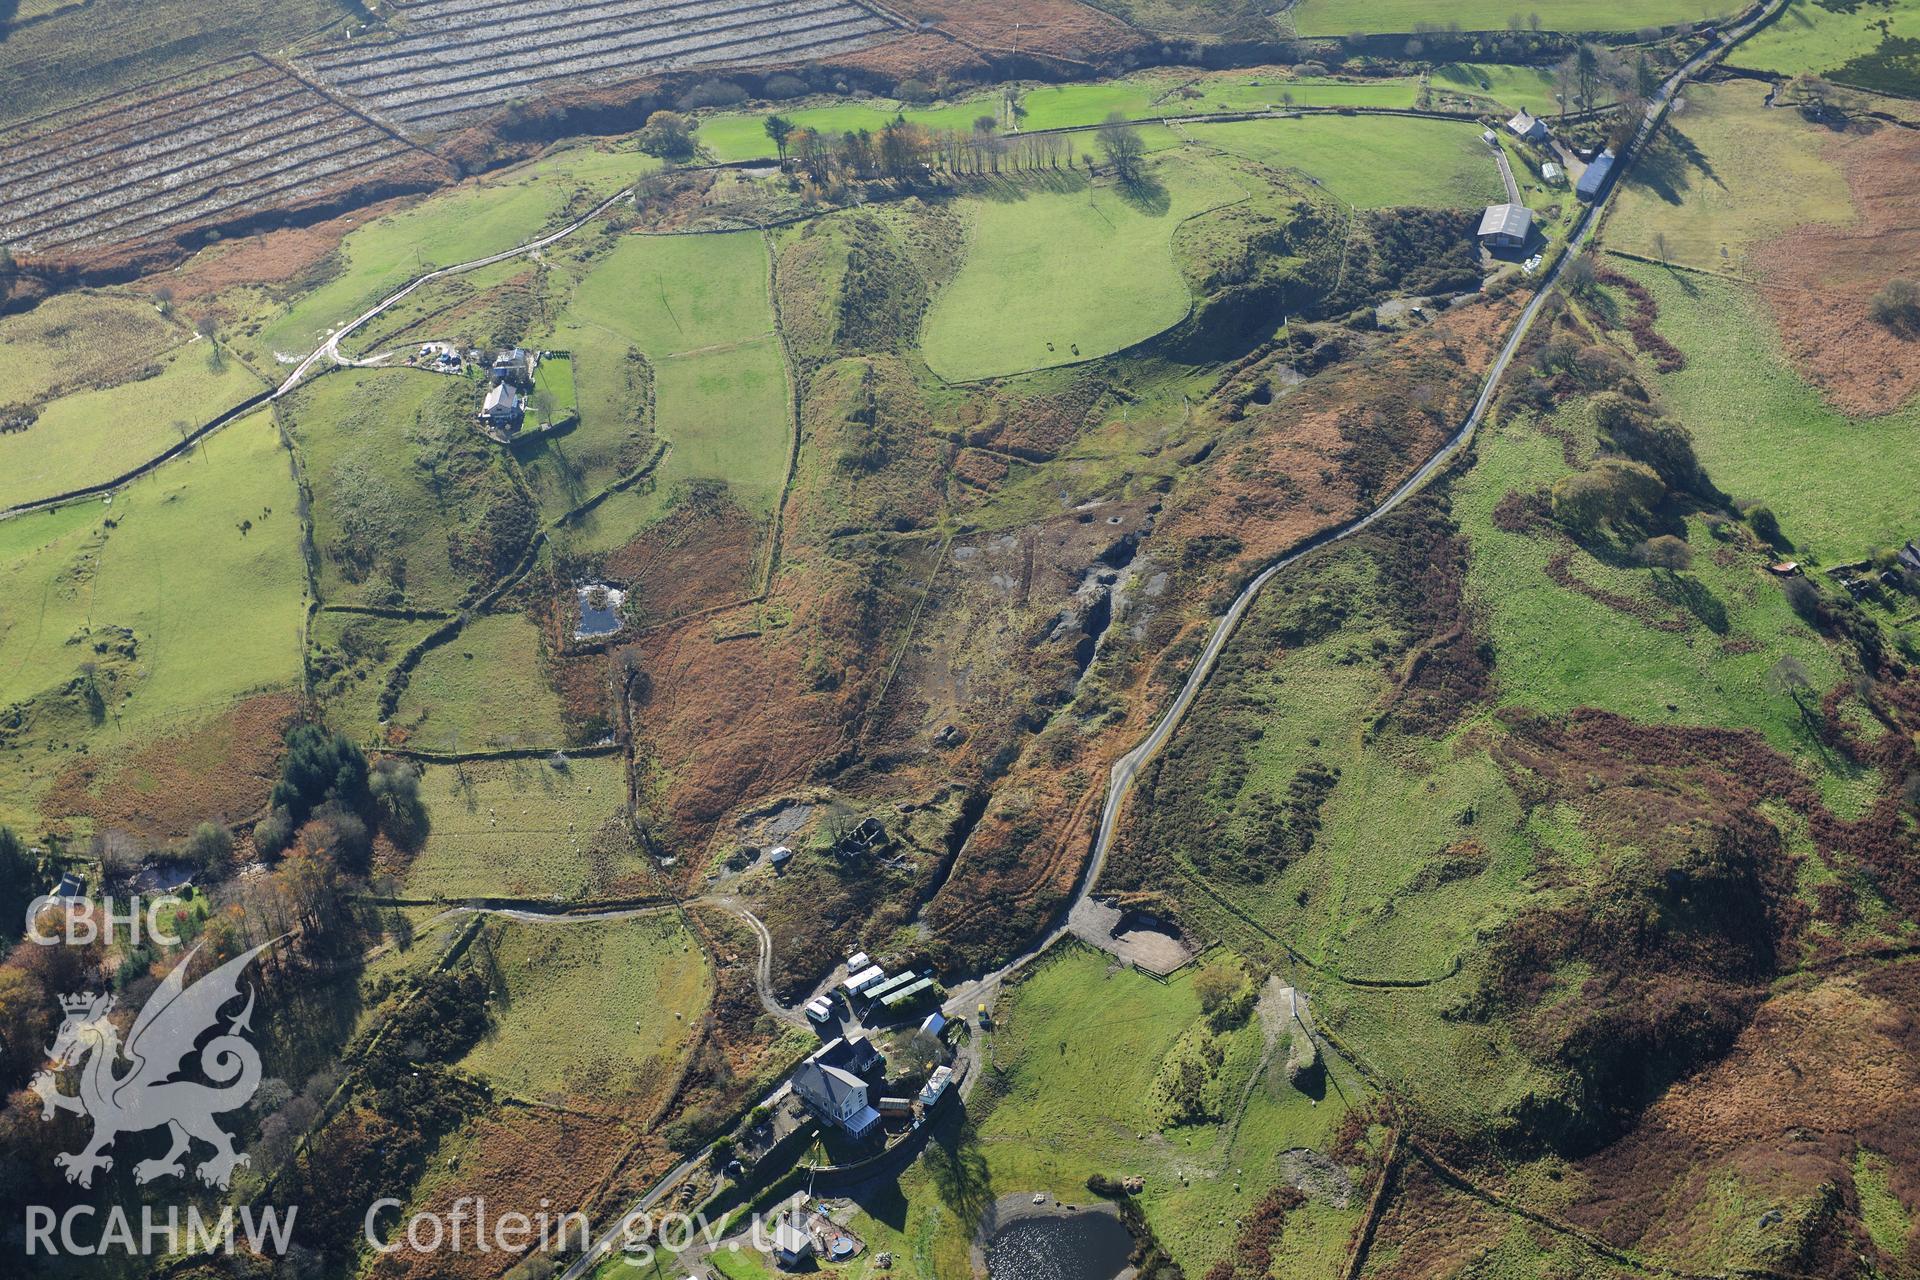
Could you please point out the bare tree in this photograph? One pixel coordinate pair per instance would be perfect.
(1123, 147)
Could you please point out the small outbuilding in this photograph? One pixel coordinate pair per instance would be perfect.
(1506, 226)
(1910, 557)
(936, 1086)
(779, 856)
(1552, 174)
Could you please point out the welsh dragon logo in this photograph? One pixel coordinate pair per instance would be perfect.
(145, 1096)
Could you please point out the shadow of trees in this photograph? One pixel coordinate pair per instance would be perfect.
(1146, 194)
(1671, 165)
(958, 1168)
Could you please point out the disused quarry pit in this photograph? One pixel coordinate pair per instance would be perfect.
(1094, 600)
(1051, 590)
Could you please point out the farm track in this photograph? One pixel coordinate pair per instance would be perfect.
(434, 75)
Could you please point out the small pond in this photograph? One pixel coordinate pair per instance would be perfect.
(1073, 1246)
(599, 611)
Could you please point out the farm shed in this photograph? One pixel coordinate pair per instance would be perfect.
(882, 990)
(1910, 556)
(907, 994)
(1596, 175)
(1506, 226)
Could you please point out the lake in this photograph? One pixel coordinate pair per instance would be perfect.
(1078, 1246)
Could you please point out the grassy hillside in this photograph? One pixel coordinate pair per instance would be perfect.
(1732, 175)
(1778, 440)
(521, 829)
(564, 1031)
(696, 310)
(484, 688)
(90, 436)
(119, 621)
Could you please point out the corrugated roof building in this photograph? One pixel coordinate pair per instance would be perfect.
(1595, 177)
(1506, 225)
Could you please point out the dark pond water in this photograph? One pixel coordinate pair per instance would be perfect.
(602, 621)
(1082, 1246)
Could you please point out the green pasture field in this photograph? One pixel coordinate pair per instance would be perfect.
(1046, 1119)
(89, 50)
(1371, 162)
(1778, 441)
(427, 313)
(1260, 92)
(92, 436)
(1813, 38)
(484, 688)
(697, 309)
(519, 829)
(356, 431)
(1049, 269)
(79, 340)
(554, 376)
(595, 1012)
(1517, 87)
(1068, 106)
(1742, 175)
(1153, 94)
(215, 613)
(1358, 905)
(1339, 17)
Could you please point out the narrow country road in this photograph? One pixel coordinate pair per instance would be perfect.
(1506, 173)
